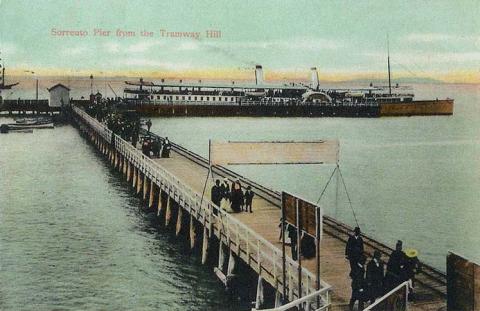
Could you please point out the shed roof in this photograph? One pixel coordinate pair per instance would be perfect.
(58, 85)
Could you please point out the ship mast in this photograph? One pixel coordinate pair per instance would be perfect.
(389, 74)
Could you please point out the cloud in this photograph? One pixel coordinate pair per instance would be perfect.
(428, 58)
(144, 46)
(74, 50)
(302, 43)
(7, 49)
(149, 62)
(441, 37)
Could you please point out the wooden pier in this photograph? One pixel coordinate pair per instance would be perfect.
(173, 188)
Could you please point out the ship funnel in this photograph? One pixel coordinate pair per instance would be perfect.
(314, 83)
(258, 75)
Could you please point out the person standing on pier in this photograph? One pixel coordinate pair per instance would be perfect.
(236, 197)
(216, 193)
(156, 148)
(225, 202)
(359, 286)
(354, 248)
(292, 234)
(395, 267)
(375, 277)
(248, 199)
(149, 125)
(166, 148)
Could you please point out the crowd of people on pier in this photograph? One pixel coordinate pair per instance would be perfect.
(231, 197)
(127, 125)
(371, 281)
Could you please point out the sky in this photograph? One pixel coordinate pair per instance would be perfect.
(342, 38)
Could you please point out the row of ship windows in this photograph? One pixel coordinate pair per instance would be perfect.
(194, 98)
(207, 98)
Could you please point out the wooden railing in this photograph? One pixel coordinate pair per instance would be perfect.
(253, 249)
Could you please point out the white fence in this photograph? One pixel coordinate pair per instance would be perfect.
(258, 253)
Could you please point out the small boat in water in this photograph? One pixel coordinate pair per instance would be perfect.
(23, 126)
(33, 121)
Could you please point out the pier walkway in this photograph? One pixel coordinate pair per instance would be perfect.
(252, 237)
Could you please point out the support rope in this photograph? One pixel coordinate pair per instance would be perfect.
(328, 182)
(348, 197)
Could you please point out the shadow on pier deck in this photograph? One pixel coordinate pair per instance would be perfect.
(254, 238)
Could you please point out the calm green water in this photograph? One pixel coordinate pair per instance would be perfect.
(72, 236)
(411, 178)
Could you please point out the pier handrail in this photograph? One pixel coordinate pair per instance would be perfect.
(384, 297)
(302, 301)
(333, 227)
(229, 229)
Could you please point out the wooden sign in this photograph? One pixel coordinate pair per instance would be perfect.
(274, 152)
(307, 211)
(463, 284)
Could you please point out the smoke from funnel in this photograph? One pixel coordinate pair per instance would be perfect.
(314, 84)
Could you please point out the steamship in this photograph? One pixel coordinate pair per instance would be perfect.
(258, 98)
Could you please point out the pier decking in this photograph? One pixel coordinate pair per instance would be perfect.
(252, 237)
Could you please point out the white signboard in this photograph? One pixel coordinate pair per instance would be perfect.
(276, 152)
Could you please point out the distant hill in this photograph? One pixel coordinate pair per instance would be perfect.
(405, 80)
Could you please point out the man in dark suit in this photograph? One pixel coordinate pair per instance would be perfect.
(248, 199)
(375, 276)
(216, 193)
(359, 286)
(354, 248)
(395, 267)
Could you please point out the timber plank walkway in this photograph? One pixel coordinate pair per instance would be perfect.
(178, 182)
(265, 219)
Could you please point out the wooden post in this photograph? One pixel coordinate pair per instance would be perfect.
(168, 212)
(139, 181)
(129, 174)
(278, 299)
(152, 194)
(145, 186)
(179, 220)
(259, 298)
(299, 253)
(160, 203)
(134, 179)
(124, 166)
(192, 231)
(205, 245)
(221, 258)
(231, 264)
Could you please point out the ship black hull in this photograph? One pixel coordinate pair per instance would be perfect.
(258, 111)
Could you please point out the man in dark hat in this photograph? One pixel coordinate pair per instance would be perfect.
(248, 199)
(359, 286)
(216, 193)
(375, 276)
(395, 267)
(354, 248)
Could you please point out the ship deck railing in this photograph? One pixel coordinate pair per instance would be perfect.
(249, 103)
